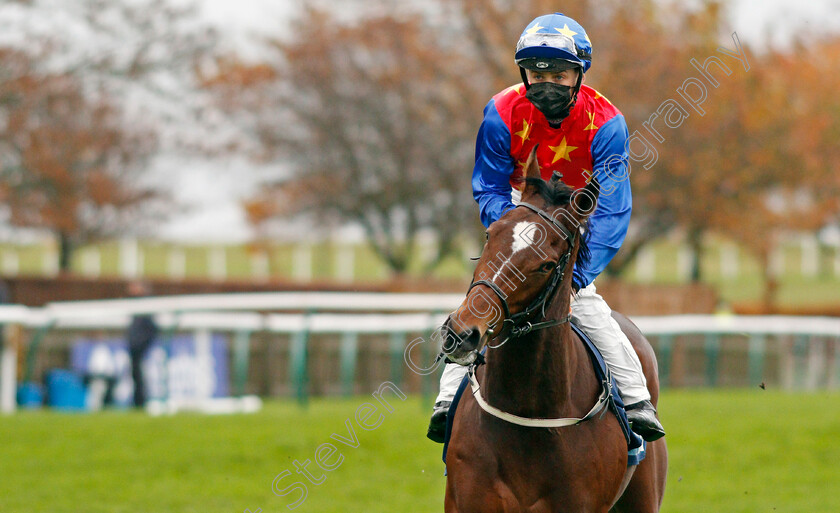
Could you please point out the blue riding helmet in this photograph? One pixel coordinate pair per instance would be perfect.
(553, 42)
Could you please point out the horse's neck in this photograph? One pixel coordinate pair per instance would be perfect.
(533, 375)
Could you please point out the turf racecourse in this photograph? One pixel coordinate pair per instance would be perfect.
(731, 451)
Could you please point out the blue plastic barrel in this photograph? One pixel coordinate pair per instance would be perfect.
(65, 390)
(30, 395)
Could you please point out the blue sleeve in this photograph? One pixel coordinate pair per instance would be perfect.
(493, 167)
(608, 223)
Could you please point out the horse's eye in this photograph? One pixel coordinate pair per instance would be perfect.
(547, 267)
(486, 235)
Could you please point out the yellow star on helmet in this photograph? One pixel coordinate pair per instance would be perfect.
(562, 150)
(525, 132)
(566, 31)
(536, 28)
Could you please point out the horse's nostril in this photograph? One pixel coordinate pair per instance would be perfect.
(473, 338)
(451, 341)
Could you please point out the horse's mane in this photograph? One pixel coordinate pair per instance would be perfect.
(558, 194)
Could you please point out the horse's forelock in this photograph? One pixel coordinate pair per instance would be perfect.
(555, 193)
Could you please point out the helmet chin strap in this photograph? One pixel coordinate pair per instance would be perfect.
(524, 78)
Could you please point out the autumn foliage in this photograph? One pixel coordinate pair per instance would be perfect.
(70, 165)
(375, 125)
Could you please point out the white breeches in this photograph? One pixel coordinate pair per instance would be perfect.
(593, 315)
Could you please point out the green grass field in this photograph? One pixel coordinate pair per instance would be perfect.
(730, 451)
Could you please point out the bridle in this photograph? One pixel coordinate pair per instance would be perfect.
(520, 323)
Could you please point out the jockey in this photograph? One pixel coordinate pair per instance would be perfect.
(580, 134)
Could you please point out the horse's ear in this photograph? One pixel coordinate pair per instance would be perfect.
(531, 170)
(585, 200)
(532, 167)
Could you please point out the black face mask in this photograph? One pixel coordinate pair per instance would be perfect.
(553, 100)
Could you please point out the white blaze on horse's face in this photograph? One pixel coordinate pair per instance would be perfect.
(523, 236)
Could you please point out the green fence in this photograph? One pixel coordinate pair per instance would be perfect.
(299, 344)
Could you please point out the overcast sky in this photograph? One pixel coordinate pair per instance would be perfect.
(216, 216)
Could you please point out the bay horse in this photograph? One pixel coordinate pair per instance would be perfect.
(535, 369)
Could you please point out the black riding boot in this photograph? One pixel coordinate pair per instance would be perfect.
(437, 426)
(642, 417)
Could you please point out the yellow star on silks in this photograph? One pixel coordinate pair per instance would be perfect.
(517, 88)
(525, 132)
(562, 150)
(591, 121)
(536, 28)
(599, 95)
(566, 31)
(587, 39)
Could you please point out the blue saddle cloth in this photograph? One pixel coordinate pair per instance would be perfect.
(635, 444)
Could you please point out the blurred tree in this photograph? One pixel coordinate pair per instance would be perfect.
(790, 120)
(70, 164)
(142, 53)
(738, 169)
(643, 53)
(375, 119)
(108, 87)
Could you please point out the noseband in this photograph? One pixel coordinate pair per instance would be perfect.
(520, 323)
